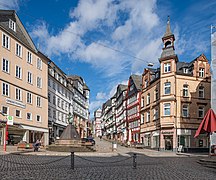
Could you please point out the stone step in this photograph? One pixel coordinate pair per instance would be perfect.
(59, 148)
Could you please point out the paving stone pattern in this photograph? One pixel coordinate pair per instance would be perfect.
(93, 167)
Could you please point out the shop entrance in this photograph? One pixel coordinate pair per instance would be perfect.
(168, 142)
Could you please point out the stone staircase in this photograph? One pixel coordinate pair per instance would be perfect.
(208, 162)
(63, 148)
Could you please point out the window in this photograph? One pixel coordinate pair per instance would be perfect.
(185, 90)
(59, 102)
(185, 112)
(156, 116)
(148, 98)
(5, 89)
(49, 82)
(18, 50)
(142, 102)
(142, 118)
(54, 114)
(49, 112)
(39, 82)
(201, 72)
(167, 67)
(29, 57)
(5, 41)
(49, 100)
(29, 80)
(167, 87)
(148, 117)
(18, 72)
(156, 94)
(54, 100)
(5, 110)
(54, 85)
(201, 92)
(62, 104)
(12, 25)
(18, 94)
(39, 64)
(146, 83)
(201, 112)
(29, 116)
(18, 113)
(29, 98)
(185, 70)
(38, 101)
(38, 118)
(167, 109)
(5, 65)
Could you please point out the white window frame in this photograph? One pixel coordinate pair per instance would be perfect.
(185, 108)
(148, 116)
(167, 87)
(39, 101)
(168, 107)
(7, 113)
(167, 67)
(148, 99)
(5, 41)
(5, 89)
(30, 119)
(18, 50)
(18, 94)
(156, 94)
(156, 115)
(20, 113)
(202, 72)
(39, 63)
(39, 118)
(185, 90)
(18, 72)
(29, 57)
(142, 119)
(12, 25)
(5, 65)
(201, 109)
(29, 97)
(39, 82)
(29, 77)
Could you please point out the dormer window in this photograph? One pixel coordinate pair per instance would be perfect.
(12, 25)
(185, 70)
(201, 72)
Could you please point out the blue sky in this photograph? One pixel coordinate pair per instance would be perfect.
(84, 37)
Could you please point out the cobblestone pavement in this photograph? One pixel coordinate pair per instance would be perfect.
(94, 167)
(103, 164)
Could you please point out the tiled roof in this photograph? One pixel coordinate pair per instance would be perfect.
(137, 79)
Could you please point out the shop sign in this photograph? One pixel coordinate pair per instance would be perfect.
(15, 103)
(184, 132)
(10, 120)
(167, 132)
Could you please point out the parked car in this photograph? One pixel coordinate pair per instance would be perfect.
(89, 139)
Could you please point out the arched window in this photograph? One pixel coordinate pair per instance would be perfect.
(168, 44)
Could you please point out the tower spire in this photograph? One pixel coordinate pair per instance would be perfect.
(168, 29)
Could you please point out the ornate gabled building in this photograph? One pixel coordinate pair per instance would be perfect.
(133, 108)
(120, 108)
(23, 83)
(98, 123)
(80, 104)
(174, 100)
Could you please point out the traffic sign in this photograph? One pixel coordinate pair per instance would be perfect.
(10, 120)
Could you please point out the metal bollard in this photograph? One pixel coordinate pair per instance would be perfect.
(134, 161)
(72, 160)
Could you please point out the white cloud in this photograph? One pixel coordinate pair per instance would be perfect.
(129, 35)
(101, 96)
(10, 4)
